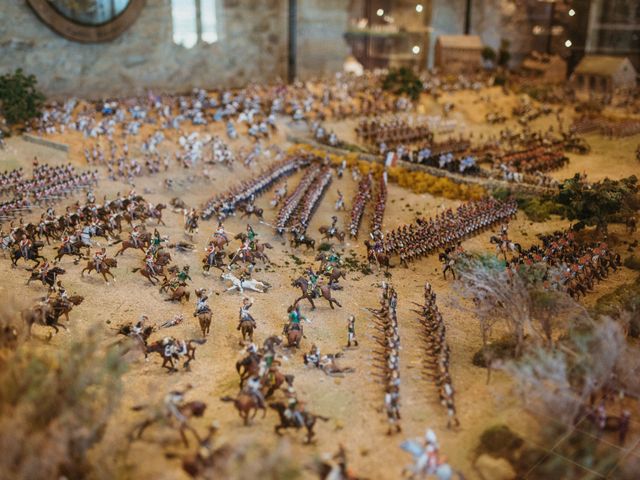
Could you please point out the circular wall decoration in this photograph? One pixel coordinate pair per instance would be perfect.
(88, 21)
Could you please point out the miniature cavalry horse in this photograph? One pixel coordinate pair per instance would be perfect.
(105, 268)
(325, 291)
(309, 420)
(168, 360)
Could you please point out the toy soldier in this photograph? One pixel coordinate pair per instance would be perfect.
(201, 304)
(244, 312)
(253, 388)
(351, 331)
(150, 263)
(99, 258)
(294, 407)
(251, 236)
(25, 246)
(135, 235)
(183, 275)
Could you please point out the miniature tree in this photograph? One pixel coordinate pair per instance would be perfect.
(20, 101)
(522, 302)
(599, 203)
(403, 81)
(503, 53)
(489, 55)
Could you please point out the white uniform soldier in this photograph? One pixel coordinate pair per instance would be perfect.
(351, 331)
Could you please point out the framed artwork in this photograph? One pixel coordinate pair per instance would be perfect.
(88, 21)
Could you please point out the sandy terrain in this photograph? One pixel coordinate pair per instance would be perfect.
(353, 402)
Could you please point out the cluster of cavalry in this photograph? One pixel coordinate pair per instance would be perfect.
(581, 264)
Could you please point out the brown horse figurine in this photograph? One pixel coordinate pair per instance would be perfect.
(328, 234)
(246, 405)
(153, 277)
(309, 420)
(204, 319)
(105, 268)
(143, 243)
(381, 259)
(188, 410)
(178, 295)
(247, 367)
(303, 284)
(168, 361)
(246, 328)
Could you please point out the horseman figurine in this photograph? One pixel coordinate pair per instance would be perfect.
(156, 241)
(220, 232)
(333, 228)
(251, 237)
(25, 247)
(294, 407)
(183, 275)
(201, 304)
(135, 236)
(253, 388)
(294, 320)
(44, 269)
(244, 313)
(150, 262)
(313, 287)
(99, 258)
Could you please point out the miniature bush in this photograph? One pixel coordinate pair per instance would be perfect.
(501, 349)
(499, 441)
(539, 209)
(403, 81)
(622, 304)
(20, 100)
(54, 406)
(417, 181)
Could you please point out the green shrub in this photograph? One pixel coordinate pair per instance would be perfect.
(625, 298)
(403, 81)
(20, 101)
(539, 209)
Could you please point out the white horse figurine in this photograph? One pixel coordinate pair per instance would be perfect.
(253, 285)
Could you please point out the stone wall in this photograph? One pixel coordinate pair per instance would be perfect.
(321, 47)
(252, 47)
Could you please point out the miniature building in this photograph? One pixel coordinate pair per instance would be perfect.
(601, 75)
(458, 53)
(548, 68)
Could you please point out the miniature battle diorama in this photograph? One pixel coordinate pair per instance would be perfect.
(392, 271)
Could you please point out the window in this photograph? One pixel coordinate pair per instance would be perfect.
(209, 21)
(95, 12)
(194, 21)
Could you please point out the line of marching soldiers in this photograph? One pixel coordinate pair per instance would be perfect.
(437, 350)
(387, 322)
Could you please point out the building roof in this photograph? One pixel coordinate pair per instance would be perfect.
(601, 65)
(469, 42)
(542, 63)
